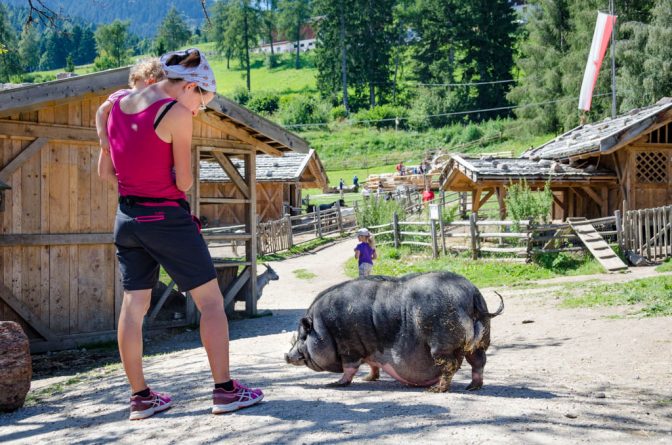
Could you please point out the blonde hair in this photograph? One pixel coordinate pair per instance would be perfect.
(369, 240)
(146, 69)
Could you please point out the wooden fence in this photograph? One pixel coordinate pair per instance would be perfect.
(518, 238)
(647, 232)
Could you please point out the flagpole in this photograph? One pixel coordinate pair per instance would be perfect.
(613, 62)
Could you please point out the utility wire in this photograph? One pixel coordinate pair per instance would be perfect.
(454, 113)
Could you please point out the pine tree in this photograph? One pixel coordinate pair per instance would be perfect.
(10, 63)
(646, 56)
(268, 10)
(539, 65)
(293, 15)
(29, 48)
(173, 31)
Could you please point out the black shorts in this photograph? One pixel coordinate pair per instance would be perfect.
(149, 236)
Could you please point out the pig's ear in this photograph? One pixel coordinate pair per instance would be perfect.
(307, 324)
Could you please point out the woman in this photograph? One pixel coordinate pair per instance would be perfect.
(150, 135)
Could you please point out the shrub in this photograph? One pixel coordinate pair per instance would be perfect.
(471, 132)
(241, 95)
(301, 109)
(374, 212)
(372, 117)
(430, 106)
(522, 203)
(338, 113)
(264, 102)
(271, 61)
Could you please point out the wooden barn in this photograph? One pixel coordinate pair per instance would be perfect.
(593, 169)
(58, 272)
(279, 184)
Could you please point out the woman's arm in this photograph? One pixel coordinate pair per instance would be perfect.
(102, 114)
(105, 168)
(178, 122)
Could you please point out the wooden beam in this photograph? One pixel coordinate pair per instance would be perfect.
(22, 157)
(57, 133)
(222, 145)
(235, 286)
(475, 200)
(501, 195)
(205, 200)
(251, 228)
(233, 173)
(270, 129)
(239, 133)
(25, 313)
(486, 198)
(56, 239)
(594, 196)
(32, 97)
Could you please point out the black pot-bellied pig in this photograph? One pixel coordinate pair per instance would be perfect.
(417, 328)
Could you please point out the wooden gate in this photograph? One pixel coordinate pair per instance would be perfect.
(647, 232)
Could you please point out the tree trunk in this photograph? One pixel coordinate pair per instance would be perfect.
(394, 83)
(344, 59)
(247, 47)
(297, 62)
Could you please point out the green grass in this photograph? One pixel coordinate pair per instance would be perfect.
(666, 266)
(283, 78)
(303, 274)
(653, 294)
(482, 273)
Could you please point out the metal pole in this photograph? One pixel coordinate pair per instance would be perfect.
(613, 62)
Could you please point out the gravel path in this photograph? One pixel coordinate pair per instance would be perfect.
(553, 376)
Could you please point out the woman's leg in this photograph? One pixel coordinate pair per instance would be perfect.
(214, 328)
(129, 335)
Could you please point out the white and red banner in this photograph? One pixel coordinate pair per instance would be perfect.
(605, 23)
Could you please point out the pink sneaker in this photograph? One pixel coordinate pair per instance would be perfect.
(241, 397)
(143, 407)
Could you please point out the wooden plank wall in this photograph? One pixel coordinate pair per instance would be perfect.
(269, 203)
(70, 288)
(646, 196)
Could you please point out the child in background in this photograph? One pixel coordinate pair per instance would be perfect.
(144, 73)
(365, 252)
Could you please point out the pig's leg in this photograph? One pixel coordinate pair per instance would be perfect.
(373, 375)
(348, 374)
(448, 364)
(477, 361)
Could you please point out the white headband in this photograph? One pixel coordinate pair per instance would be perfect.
(201, 75)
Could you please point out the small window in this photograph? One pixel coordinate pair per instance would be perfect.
(651, 167)
(662, 135)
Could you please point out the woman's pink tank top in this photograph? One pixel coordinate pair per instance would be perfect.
(143, 163)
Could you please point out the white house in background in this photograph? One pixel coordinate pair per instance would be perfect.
(286, 47)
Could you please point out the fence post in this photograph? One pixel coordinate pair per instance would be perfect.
(463, 205)
(474, 235)
(395, 230)
(435, 247)
(442, 227)
(319, 221)
(290, 239)
(339, 218)
(442, 196)
(619, 230)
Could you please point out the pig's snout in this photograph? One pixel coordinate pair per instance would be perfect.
(295, 358)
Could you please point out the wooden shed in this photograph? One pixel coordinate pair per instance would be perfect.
(58, 272)
(279, 183)
(593, 169)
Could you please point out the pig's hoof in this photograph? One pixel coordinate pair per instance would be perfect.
(370, 378)
(474, 386)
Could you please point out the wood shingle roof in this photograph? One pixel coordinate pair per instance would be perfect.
(604, 136)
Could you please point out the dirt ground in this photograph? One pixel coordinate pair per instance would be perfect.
(553, 376)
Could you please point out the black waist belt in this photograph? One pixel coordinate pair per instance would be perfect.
(133, 200)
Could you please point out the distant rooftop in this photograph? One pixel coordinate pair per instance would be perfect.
(288, 167)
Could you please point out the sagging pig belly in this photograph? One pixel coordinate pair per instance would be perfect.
(413, 370)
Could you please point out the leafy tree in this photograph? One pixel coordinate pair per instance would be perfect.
(29, 48)
(114, 44)
(294, 14)
(268, 11)
(173, 31)
(221, 32)
(539, 65)
(10, 63)
(69, 64)
(646, 57)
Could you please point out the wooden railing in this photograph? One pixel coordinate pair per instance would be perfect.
(648, 232)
